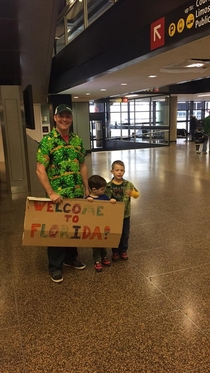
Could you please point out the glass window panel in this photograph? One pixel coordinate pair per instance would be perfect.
(96, 107)
(142, 104)
(97, 8)
(91, 108)
(115, 107)
(114, 119)
(128, 118)
(99, 107)
(199, 105)
(181, 115)
(132, 105)
(124, 117)
(161, 112)
(182, 105)
(197, 114)
(132, 118)
(142, 117)
(124, 106)
(59, 43)
(207, 108)
(75, 20)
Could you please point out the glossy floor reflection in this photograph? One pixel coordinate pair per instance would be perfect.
(147, 315)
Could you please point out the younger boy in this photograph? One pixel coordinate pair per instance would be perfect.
(122, 190)
(97, 185)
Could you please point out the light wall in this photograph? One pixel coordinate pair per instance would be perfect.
(81, 122)
(37, 133)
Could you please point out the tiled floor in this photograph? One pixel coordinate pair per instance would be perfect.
(147, 315)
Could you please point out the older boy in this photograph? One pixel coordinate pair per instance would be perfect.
(122, 190)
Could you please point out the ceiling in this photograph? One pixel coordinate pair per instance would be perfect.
(27, 30)
(26, 42)
(136, 74)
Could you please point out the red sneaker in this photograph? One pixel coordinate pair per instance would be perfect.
(115, 257)
(124, 256)
(105, 261)
(98, 266)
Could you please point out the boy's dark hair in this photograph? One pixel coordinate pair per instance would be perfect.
(121, 163)
(96, 181)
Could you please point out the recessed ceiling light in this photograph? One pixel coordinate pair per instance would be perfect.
(186, 66)
(152, 76)
(87, 94)
(130, 96)
(103, 89)
(76, 97)
(195, 65)
(204, 95)
(124, 83)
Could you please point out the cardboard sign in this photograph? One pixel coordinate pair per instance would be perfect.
(73, 222)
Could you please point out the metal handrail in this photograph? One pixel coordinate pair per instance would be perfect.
(151, 133)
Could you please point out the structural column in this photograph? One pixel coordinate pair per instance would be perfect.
(14, 140)
(173, 118)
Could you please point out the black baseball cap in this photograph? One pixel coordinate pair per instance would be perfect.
(62, 107)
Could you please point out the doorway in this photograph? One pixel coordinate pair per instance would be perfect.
(97, 131)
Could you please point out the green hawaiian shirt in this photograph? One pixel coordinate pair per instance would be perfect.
(62, 163)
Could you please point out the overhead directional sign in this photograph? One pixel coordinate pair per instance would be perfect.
(157, 33)
(190, 19)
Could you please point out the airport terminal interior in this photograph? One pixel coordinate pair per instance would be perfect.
(149, 314)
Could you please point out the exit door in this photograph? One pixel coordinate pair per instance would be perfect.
(97, 131)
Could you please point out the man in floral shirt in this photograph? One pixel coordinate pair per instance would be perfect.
(62, 171)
